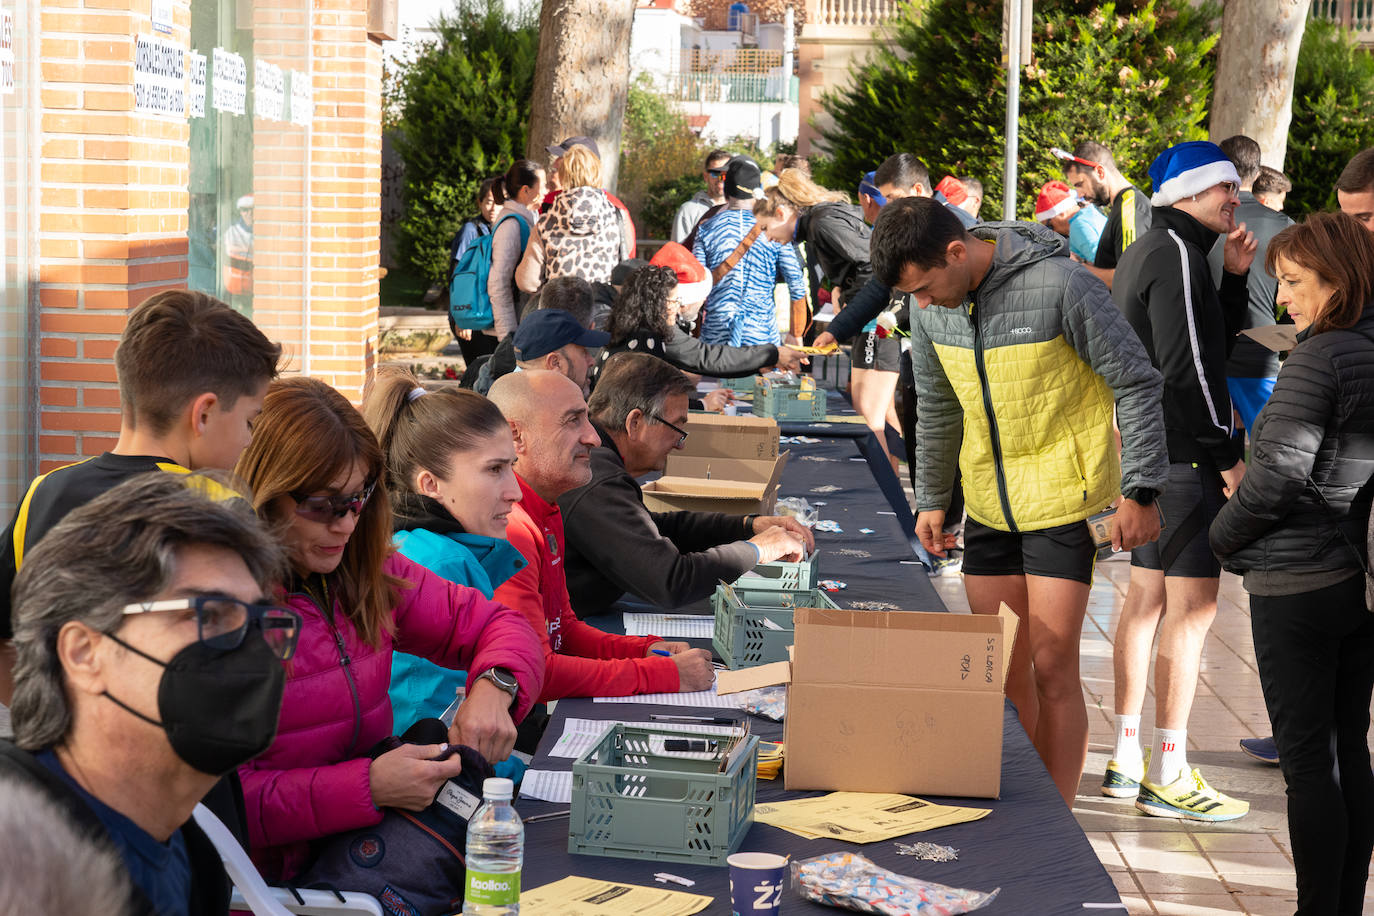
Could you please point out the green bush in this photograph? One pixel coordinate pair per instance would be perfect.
(461, 109)
(659, 154)
(1333, 114)
(1135, 75)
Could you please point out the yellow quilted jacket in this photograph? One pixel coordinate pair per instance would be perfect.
(1020, 383)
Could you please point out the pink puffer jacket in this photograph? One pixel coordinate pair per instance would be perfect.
(313, 781)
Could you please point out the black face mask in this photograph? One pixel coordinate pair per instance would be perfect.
(219, 707)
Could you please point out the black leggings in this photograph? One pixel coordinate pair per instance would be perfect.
(1316, 664)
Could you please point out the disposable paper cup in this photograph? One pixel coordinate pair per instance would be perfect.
(756, 880)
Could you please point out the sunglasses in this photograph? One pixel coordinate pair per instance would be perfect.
(326, 509)
(681, 433)
(222, 623)
(1067, 156)
(716, 173)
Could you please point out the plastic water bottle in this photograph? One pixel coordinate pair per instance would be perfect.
(495, 854)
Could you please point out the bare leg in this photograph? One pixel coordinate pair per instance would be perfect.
(873, 391)
(1135, 634)
(1057, 607)
(986, 595)
(1188, 614)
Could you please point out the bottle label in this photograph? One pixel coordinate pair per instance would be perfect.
(499, 889)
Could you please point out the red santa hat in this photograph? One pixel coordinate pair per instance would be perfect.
(693, 280)
(1056, 199)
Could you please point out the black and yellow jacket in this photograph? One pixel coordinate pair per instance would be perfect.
(1020, 383)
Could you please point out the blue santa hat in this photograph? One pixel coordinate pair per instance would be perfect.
(1187, 169)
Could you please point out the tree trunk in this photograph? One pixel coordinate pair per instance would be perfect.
(581, 77)
(1253, 90)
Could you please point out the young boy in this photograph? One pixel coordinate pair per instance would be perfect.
(192, 376)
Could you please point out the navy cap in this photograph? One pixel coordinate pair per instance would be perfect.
(548, 330)
(562, 148)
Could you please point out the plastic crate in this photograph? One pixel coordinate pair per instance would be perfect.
(782, 575)
(758, 631)
(742, 385)
(633, 802)
(794, 400)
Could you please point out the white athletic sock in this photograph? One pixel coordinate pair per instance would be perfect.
(1170, 758)
(1127, 753)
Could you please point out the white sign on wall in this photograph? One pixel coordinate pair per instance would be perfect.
(159, 77)
(269, 91)
(6, 52)
(230, 83)
(302, 99)
(162, 16)
(195, 94)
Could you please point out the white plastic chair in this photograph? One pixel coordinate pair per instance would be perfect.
(253, 894)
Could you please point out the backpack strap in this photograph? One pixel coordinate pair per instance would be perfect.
(724, 267)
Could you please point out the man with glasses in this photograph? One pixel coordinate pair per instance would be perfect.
(1187, 323)
(690, 213)
(149, 666)
(1092, 172)
(615, 544)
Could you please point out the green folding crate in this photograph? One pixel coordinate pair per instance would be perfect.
(742, 385)
(799, 399)
(754, 627)
(633, 801)
(783, 575)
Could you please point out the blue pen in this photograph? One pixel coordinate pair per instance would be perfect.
(664, 652)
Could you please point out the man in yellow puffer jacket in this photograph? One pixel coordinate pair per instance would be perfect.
(1017, 374)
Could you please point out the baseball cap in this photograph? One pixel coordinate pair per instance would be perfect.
(743, 179)
(562, 148)
(869, 189)
(548, 330)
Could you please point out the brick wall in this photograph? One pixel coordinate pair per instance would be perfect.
(112, 209)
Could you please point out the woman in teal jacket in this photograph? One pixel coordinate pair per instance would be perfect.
(450, 468)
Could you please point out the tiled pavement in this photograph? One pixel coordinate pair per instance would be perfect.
(1166, 867)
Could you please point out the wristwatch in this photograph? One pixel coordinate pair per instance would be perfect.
(503, 679)
(1143, 495)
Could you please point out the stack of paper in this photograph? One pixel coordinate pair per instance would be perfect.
(581, 735)
(588, 897)
(669, 626)
(861, 817)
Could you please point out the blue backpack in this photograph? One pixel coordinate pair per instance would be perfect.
(468, 303)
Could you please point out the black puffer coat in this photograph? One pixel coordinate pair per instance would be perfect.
(1319, 424)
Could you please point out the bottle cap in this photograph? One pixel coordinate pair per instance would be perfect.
(498, 789)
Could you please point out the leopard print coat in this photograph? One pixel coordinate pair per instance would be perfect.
(581, 236)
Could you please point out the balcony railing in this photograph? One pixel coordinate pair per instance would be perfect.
(731, 60)
(732, 87)
(1356, 15)
(851, 12)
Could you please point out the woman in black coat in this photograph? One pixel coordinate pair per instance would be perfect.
(1296, 529)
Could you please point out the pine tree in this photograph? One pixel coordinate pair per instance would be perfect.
(1135, 76)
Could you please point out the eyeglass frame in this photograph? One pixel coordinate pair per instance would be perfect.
(682, 433)
(255, 612)
(360, 499)
(717, 173)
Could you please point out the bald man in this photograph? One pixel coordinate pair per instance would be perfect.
(553, 443)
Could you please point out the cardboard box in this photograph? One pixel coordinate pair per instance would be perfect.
(712, 435)
(755, 494)
(892, 701)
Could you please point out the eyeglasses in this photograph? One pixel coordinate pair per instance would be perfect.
(681, 433)
(1067, 156)
(325, 509)
(222, 623)
(1230, 187)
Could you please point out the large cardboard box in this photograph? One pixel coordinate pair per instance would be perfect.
(893, 701)
(734, 486)
(711, 435)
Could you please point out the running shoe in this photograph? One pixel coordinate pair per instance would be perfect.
(1119, 782)
(1262, 749)
(1189, 798)
(949, 566)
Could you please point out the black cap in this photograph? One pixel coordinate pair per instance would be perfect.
(562, 148)
(742, 178)
(621, 272)
(548, 330)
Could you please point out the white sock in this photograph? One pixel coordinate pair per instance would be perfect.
(1127, 751)
(1170, 758)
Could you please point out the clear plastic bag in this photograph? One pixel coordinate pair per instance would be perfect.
(849, 880)
(800, 509)
(767, 702)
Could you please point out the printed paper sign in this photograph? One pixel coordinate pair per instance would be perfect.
(162, 16)
(159, 77)
(302, 99)
(195, 95)
(6, 52)
(230, 83)
(269, 91)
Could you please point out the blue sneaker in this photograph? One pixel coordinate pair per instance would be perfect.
(1262, 749)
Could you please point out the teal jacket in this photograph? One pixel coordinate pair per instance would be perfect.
(420, 688)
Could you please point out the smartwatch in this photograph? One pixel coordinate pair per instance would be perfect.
(1143, 495)
(503, 679)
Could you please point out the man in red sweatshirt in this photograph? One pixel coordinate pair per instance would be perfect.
(553, 443)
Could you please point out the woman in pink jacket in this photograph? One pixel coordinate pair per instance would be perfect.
(317, 474)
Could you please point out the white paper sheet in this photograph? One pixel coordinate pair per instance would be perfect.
(548, 785)
(581, 735)
(706, 698)
(669, 626)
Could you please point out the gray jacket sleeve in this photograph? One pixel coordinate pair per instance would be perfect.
(505, 256)
(721, 360)
(1105, 340)
(939, 425)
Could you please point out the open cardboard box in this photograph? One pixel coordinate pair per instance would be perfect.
(735, 486)
(712, 435)
(892, 701)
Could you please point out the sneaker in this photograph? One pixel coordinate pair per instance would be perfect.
(948, 566)
(1118, 782)
(1189, 798)
(1262, 749)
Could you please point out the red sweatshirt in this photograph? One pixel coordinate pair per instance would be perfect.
(579, 659)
